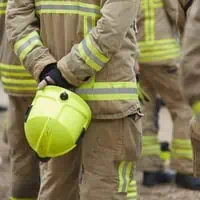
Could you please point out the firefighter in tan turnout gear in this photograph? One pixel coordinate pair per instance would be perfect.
(190, 68)
(88, 46)
(159, 74)
(20, 87)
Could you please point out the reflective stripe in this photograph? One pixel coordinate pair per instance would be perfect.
(3, 8)
(91, 55)
(196, 109)
(152, 49)
(124, 173)
(181, 149)
(26, 44)
(16, 79)
(67, 7)
(150, 146)
(89, 23)
(14, 198)
(132, 191)
(109, 91)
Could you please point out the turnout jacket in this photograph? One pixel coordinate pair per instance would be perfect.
(92, 42)
(15, 79)
(157, 40)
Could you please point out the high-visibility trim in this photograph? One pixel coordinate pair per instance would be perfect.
(165, 155)
(67, 7)
(91, 55)
(196, 109)
(109, 91)
(27, 44)
(182, 148)
(132, 191)
(89, 23)
(159, 56)
(182, 154)
(149, 140)
(124, 173)
(14, 198)
(151, 150)
(3, 6)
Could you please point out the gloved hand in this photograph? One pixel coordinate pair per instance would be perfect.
(195, 139)
(51, 75)
(143, 97)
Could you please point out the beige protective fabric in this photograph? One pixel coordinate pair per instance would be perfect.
(25, 181)
(110, 154)
(98, 42)
(190, 74)
(195, 137)
(15, 79)
(60, 177)
(164, 80)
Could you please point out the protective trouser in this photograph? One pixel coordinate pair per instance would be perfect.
(25, 181)
(164, 80)
(195, 137)
(60, 177)
(110, 151)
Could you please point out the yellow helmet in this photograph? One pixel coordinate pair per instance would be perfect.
(55, 121)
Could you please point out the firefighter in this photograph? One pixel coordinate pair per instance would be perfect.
(190, 68)
(89, 47)
(20, 87)
(159, 73)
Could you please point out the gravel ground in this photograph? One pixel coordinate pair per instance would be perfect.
(165, 192)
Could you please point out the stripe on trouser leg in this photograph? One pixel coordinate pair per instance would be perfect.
(132, 191)
(124, 173)
(14, 198)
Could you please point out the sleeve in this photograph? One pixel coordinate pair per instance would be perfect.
(191, 60)
(23, 35)
(105, 40)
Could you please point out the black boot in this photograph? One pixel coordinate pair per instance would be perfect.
(151, 179)
(188, 181)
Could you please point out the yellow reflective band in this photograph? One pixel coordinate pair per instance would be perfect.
(18, 81)
(27, 44)
(180, 153)
(196, 108)
(132, 191)
(124, 173)
(149, 140)
(165, 155)
(151, 150)
(67, 7)
(108, 91)
(17, 71)
(3, 6)
(91, 55)
(89, 23)
(14, 198)
(159, 56)
(182, 143)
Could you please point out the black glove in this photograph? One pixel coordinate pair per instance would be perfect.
(52, 76)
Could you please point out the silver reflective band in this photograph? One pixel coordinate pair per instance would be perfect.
(26, 44)
(68, 8)
(106, 91)
(91, 55)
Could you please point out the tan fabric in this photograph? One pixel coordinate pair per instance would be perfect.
(195, 137)
(112, 36)
(190, 62)
(104, 148)
(182, 12)
(24, 165)
(60, 177)
(10, 68)
(165, 81)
